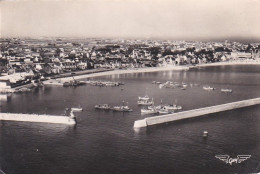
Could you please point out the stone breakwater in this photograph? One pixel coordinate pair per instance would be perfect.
(38, 118)
(194, 113)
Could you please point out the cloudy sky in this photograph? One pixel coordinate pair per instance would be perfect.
(170, 19)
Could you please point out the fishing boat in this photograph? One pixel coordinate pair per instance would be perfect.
(110, 83)
(122, 109)
(143, 98)
(164, 111)
(102, 106)
(161, 85)
(172, 107)
(226, 90)
(208, 88)
(149, 111)
(145, 102)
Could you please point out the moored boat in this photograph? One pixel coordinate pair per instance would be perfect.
(226, 90)
(145, 102)
(122, 109)
(184, 85)
(164, 111)
(149, 111)
(205, 134)
(103, 106)
(74, 83)
(78, 109)
(161, 85)
(156, 107)
(172, 107)
(146, 97)
(208, 88)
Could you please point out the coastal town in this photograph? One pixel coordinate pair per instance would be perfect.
(129, 86)
(30, 61)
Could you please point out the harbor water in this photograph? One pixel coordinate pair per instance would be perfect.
(106, 142)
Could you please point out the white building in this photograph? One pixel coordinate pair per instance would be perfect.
(5, 84)
(241, 55)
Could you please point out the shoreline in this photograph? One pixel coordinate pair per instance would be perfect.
(59, 81)
(118, 72)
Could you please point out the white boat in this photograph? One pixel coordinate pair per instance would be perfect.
(164, 111)
(145, 102)
(149, 111)
(208, 88)
(184, 85)
(179, 107)
(122, 109)
(205, 133)
(79, 109)
(156, 107)
(161, 85)
(226, 90)
(143, 98)
(172, 107)
(103, 106)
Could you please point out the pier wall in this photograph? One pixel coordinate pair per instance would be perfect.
(194, 113)
(37, 118)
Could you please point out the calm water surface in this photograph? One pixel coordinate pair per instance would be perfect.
(105, 141)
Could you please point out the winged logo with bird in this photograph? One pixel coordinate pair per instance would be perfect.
(228, 160)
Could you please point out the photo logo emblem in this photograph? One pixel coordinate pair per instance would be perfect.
(228, 160)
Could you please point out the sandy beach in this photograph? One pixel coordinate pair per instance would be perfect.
(60, 81)
(126, 71)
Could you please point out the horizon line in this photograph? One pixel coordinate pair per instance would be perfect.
(220, 39)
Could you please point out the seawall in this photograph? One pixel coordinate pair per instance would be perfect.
(194, 113)
(38, 118)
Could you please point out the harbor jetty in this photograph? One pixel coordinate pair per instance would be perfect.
(194, 113)
(69, 120)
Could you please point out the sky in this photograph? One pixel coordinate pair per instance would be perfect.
(163, 19)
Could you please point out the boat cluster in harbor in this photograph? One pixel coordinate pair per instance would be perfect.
(74, 83)
(119, 108)
(91, 82)
(143, 101)
(161, 109)
(103, 83)
(183, 86)
(152, 109)
(171, 84)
